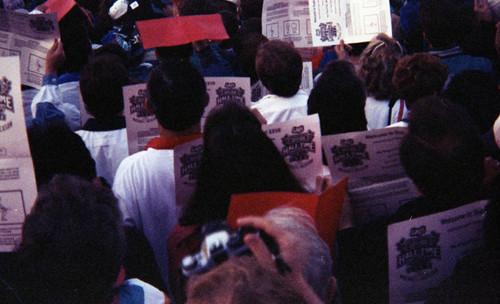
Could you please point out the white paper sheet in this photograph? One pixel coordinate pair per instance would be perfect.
(351, 20)
(141, 125)
(29, 37)
(424, 251)
(299, 142)
(18, 188)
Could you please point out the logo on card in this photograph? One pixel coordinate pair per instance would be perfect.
(230, 93)
(417, 253)
(6, 102)
(329, 31)
(41, 24)
(138, 107)
(190, 162)
(297, 146)
(351, 155)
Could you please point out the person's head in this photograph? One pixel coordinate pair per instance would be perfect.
(442, 152)
(376, 65)
(245, 45)
(250, 9)
(477, 92)
(279, 67)
(196, 7)
(55, 149)
(72, 242)
(241, 280)
(238, 157)
(316, 262)
(177, 94)
(174, 52)
(438, 20)
(101, 85)
(339, 99)
(419, 75)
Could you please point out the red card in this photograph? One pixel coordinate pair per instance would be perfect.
(61, 7)
(325, 209)
(181, 30)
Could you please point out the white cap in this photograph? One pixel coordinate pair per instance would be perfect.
(118, 9)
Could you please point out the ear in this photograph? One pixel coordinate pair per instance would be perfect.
(149, 107)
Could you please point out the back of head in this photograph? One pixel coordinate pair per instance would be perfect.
(238, 157)
(315, 257)
(75, 39)
(478, 93)
(419, 75)
(245, 45)
(438, 20)
(241, 280)
(72, 242)
(279, 67)
(251, 9)
(55, 149)
(339, 99)
(377, 63)
(101, 85)
(177, 94)
(442, 152)
(196, 7)
(175, 52)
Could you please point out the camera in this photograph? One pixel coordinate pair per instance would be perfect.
(219, 244)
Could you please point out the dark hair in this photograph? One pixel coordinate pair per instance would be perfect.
(245, 45)
(177, 93)
(72, 242)
(419, 75)
(477, 92)
(101, 85)
(279, 67)
(55, 149)
(238, 157)
(196, 7)
(251, 9)
(439, 22)
(442, 152)
(177, 51)
(377, 63)
(75, 39)
(339, 99)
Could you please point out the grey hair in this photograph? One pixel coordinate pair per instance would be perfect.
(314, 254)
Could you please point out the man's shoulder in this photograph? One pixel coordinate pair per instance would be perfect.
(150, 159)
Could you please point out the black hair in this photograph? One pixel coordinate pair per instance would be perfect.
(279, 67)
(177, 93)
(238, 157)
(477, 92)
(245, 45)
(442, 152)
(177, 51)
(439, 22)
(101, 85)
(72, 242)
(251, 9)
(339, 99)
(196, 7)
(55, 149)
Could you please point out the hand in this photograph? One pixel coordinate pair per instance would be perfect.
(288, 245)
(482, 10)
(323, 183)
(55, 57)
(343, 50)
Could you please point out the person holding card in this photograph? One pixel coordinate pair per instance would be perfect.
(144, 181)
(279, 67)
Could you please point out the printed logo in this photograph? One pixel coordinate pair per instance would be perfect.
(417, 253)
(329, 31)
(138, 107)
(6, 102)
(349, 154)
(230, 93)
(41, 24)
(191, 162)
(297, 146)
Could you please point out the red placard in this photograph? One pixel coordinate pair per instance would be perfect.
(325, 209)
(61, 7)
(181, 30)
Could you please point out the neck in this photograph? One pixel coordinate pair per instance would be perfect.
(196, 129)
